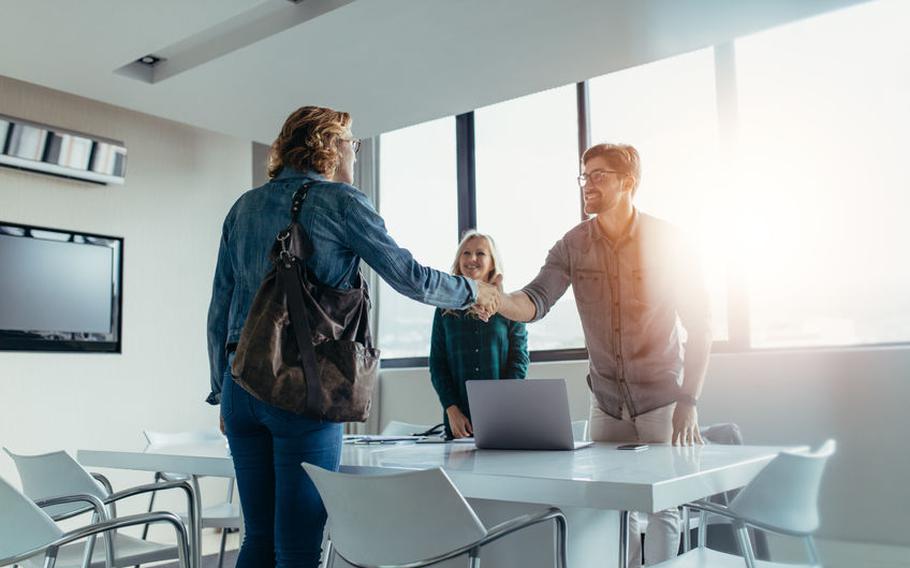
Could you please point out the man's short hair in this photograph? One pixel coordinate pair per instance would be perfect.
(621, 157)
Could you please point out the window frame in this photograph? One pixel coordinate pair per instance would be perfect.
(738, 318)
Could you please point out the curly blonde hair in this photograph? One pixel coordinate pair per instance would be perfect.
(309, 141)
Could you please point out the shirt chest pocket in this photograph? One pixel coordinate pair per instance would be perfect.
(588, 286)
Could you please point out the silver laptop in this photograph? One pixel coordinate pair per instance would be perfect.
(521, 415)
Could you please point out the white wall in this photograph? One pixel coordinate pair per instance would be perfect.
(859, 397)
(180, 183)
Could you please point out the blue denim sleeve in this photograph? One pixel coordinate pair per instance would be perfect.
(219, 309)
(370, 240)
(551, 282)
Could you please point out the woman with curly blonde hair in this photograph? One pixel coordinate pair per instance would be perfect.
(464, 347)
(283, 514)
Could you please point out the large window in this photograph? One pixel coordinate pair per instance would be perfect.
(667, 110)
(417, 185)
(527, 199)
(822, 200)
(780, 154)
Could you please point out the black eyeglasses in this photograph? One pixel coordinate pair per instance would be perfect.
(355, 143)
(596, 176)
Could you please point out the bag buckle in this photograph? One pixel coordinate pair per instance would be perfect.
(284, 255)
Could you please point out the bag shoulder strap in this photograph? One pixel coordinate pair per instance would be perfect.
(289, 268)
(289, 276)
(299, 197)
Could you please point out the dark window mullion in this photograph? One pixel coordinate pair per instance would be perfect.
(466, 171)
(584, 132)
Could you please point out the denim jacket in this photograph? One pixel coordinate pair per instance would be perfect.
(344, 228)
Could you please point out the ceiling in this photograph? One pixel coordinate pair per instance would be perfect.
(241, 66)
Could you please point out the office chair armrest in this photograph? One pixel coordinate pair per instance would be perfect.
(51, 549)
(506, 528)
(94, 504)
(103, 481)
(109, 488)
(495, 533)
(153, 487)
(725, 512)
(192, 511)
(712, 508)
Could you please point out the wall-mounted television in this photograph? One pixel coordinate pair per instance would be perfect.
(60, 290)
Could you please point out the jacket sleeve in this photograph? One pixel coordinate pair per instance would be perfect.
(371, 241)
(219, 309)
(440, 372)
(517, 364)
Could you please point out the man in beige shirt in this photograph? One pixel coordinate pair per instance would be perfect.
(638, 288)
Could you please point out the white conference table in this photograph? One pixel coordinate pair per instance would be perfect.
(596, 486)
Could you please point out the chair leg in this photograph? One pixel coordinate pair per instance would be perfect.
(224, 533)
(687, 530)
(328, 554)
(90, 547)
(624, 539)
(145, 529)
(811, 551)
(561, 537)
(474, 558)
(745, 545)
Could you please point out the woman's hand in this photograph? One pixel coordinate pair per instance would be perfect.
(459, 423)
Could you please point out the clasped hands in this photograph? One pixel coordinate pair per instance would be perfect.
(489, 298)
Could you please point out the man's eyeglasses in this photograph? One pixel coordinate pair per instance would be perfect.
(596, 176)
(355, 143)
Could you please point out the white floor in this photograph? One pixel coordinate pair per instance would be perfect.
(843, 554)
(835, 554)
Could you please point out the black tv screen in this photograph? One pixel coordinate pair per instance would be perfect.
(59, 290)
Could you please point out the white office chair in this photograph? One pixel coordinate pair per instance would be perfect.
(412, 519)
(225, 515)
(782, 499)
(46, 477)
(396, 428)
(28, 531)
(580, 430)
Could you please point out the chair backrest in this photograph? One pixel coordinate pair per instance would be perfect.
(25, 526)
(723, 433)
(396, 428)
(53, 475)
(580, 430)
(180, 438)
(395, 519)
(784, 494)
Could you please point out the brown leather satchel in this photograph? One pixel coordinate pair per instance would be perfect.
(306, 347)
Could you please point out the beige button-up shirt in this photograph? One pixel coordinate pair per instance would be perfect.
(637, 298)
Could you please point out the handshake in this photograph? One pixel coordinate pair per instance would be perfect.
(489, 298)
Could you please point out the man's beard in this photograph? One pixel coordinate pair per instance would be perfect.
(601, 204)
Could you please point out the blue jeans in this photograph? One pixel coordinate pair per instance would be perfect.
(282, 512)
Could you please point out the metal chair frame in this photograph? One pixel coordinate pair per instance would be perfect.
(473, 549)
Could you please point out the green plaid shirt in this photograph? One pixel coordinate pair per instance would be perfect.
(464, 348)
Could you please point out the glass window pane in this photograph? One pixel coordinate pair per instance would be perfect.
(418, 200)
(527, 199)
(667, 110)
(824, 127)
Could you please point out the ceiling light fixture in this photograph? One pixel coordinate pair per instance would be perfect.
(149, 60)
